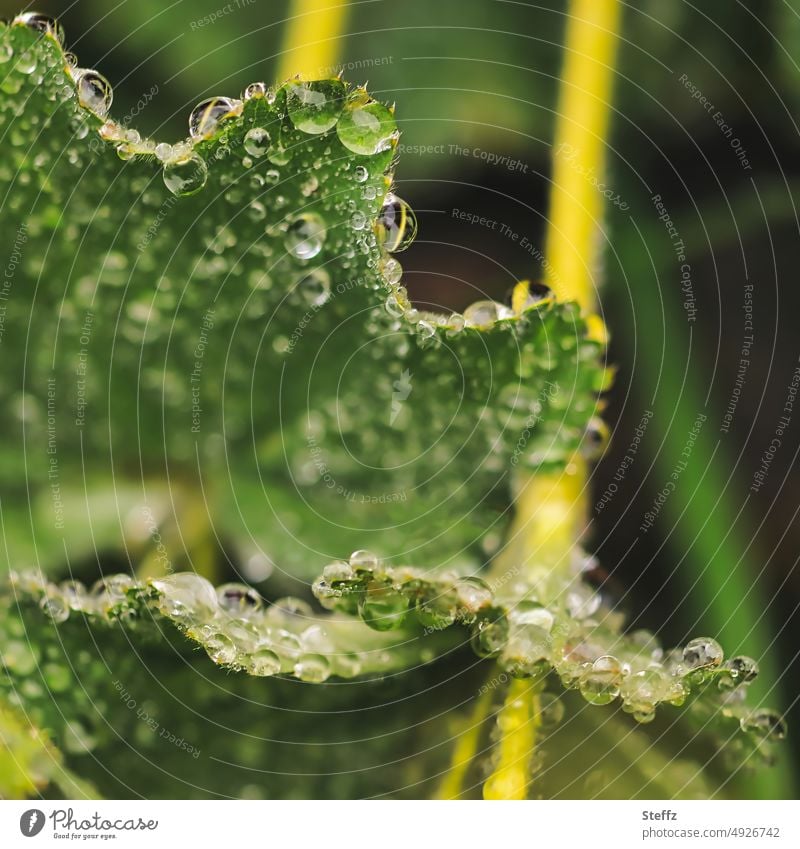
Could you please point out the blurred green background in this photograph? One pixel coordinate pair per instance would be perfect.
(475, 86)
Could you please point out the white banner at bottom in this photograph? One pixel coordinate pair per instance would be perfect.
(398, 825)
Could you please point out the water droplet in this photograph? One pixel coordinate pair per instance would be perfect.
(642, 691)
(366, 128)
(600, 684)
(279, 155)
(207, 115)
(238, 598)
(396, 226)
(538, 296)
(254, 90)
(163, 151)
(474, 594)
(313, 668)
(392, 272)
(364, 562)
(220, 648)
(112, 589)
(741, 670)
(94, 91)
(358, 221)
(43, 24)
(528, 612)
(519, 662)
(765, 723)
(186, 595)
(257, 211)
(256, 141)
(314, 107)
(264, 662)
(394, 307)
(483, 314)
(26, 63)
(309, 186)
(702, 653)
(185, 177)
(489, 636)
(315, 287)
(55, 606)
(436, 610)
(75, 593)
(305, 236)
(382, 608)
(360, 174)
(456, 322)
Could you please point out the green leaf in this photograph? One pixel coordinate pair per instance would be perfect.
(245, 341)
(216, 333)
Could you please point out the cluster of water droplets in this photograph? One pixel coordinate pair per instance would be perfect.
(363, 126)
(550, 626)
(232, 622)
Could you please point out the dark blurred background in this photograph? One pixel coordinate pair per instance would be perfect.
(706, 103)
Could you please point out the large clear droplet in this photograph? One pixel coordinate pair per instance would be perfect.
(238, 599)
(363, 562)
(207, 115)
(256, 141)
(186, 176)
(483, 314)
(254, 90)
(43, 24)
(538, 295)
(314, 107)
(313, 668)
(94, 91)
(56, 607)
(396, 227)
(600, 684)
(186, 595)
(221, 648)
(305, 236)
(702, 653)
(264, 662)
(366, 127)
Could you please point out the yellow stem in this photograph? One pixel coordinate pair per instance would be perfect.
(519, 721)
(312, 44)
(465, 749)
(576, 205)
(551, 508)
